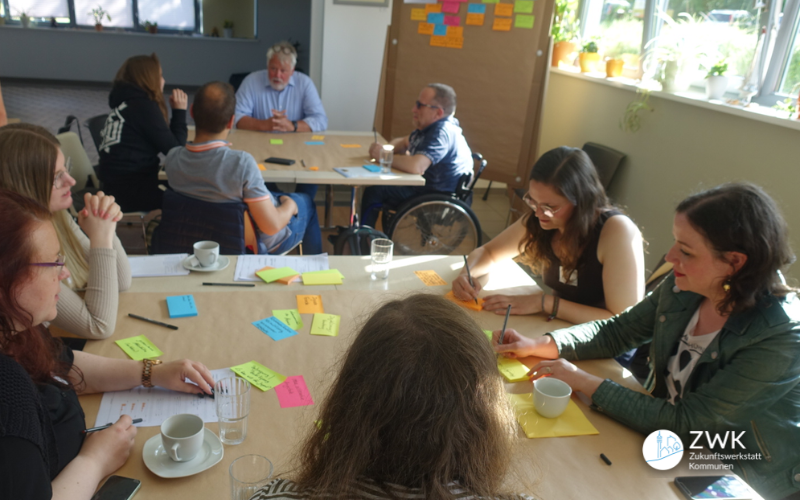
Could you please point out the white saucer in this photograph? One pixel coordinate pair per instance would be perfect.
(219, 265)
(159, 463)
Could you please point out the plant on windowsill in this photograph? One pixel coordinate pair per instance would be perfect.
(227, 28)
(631, 121)
(564, 31)
(589, 57)
(716, 81)
(151, 28)
(24, 19)
(99, 13)
(673, 57)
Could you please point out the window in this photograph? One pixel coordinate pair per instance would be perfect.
(172, 14)
(121, 12)
(39, 9)
(617, 24)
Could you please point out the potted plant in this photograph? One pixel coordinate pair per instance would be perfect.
(564, 31)
(24, 19)
(589, 57)
(673, 57)
(227, 28)
(716, 81)
(151, 27)
(99, 13)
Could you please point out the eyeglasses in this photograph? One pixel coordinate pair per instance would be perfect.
(59, 263)
(421, 104)
(547, 210)
(59, 180)
(284, 48)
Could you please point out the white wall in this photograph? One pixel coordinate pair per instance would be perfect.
(352, 54)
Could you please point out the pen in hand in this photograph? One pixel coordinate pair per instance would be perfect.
(505, 323)
(103, 427)
(469, 276)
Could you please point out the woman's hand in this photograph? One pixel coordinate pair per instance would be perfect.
(99, 219)
(109, 449)
(178, 99)
(463, 290)
(565, 371)
(520, 304)
(518, 346)
(174, 376)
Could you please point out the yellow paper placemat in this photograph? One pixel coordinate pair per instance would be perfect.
(571, 423)
(512, 369)
(139, 348)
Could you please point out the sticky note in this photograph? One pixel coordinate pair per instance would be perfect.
(425, 28)
(418, 14)
(294, 392)
(452, 20)
(440, 30)
(433, 7)
(512, 369)
(139, 348)
(430, 278)
(454, 42)
(276, 141)
(476, 8)
(261, 166)
(570, 423)
(329, 277)
(490, 1)
(451, 7)
(258, 375)
(438, 41)
(501, 24)
(475, 19)
(309, 304)
(456, 31)
(436, 18)
(469, 304)
(289, 317)
(488, 334)
(372, 168)
(523, 21)
(325, 324)
(286, 280)
(181, 306)
(317, 137)
(351, 145)
(315, 143)
(270, 275)
(313, 168)
(523, 7)
(275, 328)
(504, 9)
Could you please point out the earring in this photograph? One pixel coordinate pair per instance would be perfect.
(727, 285)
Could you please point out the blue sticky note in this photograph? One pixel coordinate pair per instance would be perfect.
(275, 328)
(181, 306)
(372, 168)
(440, 30)
(435, 18)
(476, 8)
(315, 143)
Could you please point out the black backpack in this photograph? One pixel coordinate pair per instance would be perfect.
(354, 240)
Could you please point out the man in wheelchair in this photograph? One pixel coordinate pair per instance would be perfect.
(436, 150)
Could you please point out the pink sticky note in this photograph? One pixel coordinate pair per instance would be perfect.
(451, 7)
(293, 392)
(452, 20)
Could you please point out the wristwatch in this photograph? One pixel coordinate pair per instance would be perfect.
(294, 122)
(147, 371)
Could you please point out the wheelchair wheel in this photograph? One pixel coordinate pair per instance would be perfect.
(435, 224)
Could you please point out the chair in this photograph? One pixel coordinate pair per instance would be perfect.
(96, 125)
(82, 170)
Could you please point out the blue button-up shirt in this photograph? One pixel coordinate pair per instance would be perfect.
(300, 100)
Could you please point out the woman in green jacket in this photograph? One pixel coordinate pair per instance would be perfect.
(724, 334)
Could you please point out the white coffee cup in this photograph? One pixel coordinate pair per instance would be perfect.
(182, 436)
(550, 396)
(207, 252)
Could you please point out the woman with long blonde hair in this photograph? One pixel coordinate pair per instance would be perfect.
(32, 164)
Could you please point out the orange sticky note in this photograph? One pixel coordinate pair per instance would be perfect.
(309, 304)
(504, 9)
(313, 168)
(469, 304)
(418, 14)
(351, 145)
(454, 42)
(286, 280)
(425, 29)
(438, 41)
(457, 31)
(261, 166)
(501, 24)
(433, 7)
(475, 19)
(430, 278)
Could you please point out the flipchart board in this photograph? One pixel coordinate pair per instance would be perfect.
(495, 54)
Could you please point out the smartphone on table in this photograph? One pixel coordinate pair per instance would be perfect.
(118, 488)
(729, 487)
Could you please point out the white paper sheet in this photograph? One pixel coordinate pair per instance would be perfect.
(247, 265)
(154, 405)
(158, 265)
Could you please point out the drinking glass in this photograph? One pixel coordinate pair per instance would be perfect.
(248, 474)
(232, 396)
(381, 253)
(387, 154)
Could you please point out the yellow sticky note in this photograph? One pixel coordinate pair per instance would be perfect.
(523, 21)
(270, 275)
(258, 375)
(425, 29)
(454, 42)
(330, 277)
(317, 137)
(325, 324)
(351, 145)
(139, 348)
(289, 317)
(430, 278)
(488, 334)
(504, 9)
(455, 31)
(469, 304)
(570, 423)
(418, 14)
(475, 19)
(501, 24)
(512, 369)
(433, 7)
(523, 7)
(261, 166)
(276, 141)
(309, 304)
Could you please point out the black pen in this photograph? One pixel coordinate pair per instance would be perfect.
(605, 459)
(503, 332)
(100, 428)
(303, 162)
(469, 276)
(230, 284)
(152, 321)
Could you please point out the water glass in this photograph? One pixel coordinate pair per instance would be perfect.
(386, 157)
(249, 473)
(233, 405)
(381, 253)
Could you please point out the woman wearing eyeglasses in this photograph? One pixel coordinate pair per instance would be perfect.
(588, 252)
(32, 164)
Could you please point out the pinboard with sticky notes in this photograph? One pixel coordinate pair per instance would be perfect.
(494, 53)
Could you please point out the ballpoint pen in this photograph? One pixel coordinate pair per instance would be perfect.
(469, 276)
(102, 427)
(505, 323)
(173, 327)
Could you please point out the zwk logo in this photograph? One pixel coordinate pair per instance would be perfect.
(662, 450)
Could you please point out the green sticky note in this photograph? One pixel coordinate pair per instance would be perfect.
(523, 7)
(258, 375)
(523, 21)
(512, 369)
(139, 348)
(280, 141)
(270, 275)
(325, 324)
(490, 1)
(488, 334)
(328, 277)
(289, 317)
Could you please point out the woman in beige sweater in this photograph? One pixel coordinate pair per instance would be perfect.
(32, 164)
